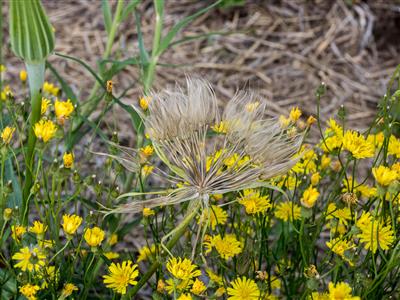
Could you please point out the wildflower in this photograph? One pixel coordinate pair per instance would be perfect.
(17, 232)
(71, 224)
(374, 234)
(315, 178)
(146, 252)
(68, 289)
(217, 279)
(45, 130)
(182, 269)
(311, 272)
(68, 159)
(146, 152)
(7, 214)
(178, 123)
(215, 215)
(295, 114)
(147, 212)
(111, 255)
(185, 297)
(109, 86)
(23, 75)
(357, 145)
(310, 196)
(174, 285)
(243, 289)
(198, 287)
(394, 146)
(144, 102)
(120, 276)
(384, 175)
(340, 291)
(284, 122)
(45, 105)
(6, 93)
(63, 110)
(113, 239)
(254, 202)
(48, 274)
(29, 259)
(287, 211)
(50, 88)
(38, 228)
(147, 170)
(311, 120)
(221, 127)
(94, 236)
(325, 161)
(227, 247)
(160, 286)
(349, 198)
(340, 246)
(7, 134)
(343, 215)
(29, 291)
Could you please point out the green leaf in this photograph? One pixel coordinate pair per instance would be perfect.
(106, 15)
(144, 55)
(116, 66)
(15, 198)
(165, 42)
(31, 34)
(128, 9)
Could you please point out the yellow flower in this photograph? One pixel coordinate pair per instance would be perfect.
(311, 120)
(325, 161)
(113, 239)
(394, 146)
(111, 255)
(146, 252)
(94, 236)
(340, 246)
(198, 287)
(254, 202)
(342, 215)
(315, 178)
(45, 130)
(120, 276)
(7, 214)
(68, 159)
(185, 297)
(160, 286)
(109, 86)
(374, 234)
(29, 259)
(71, 224)
(23, 75)
(2, 68)
(7, 134)
(284, 122)
(48, 274)
(38, 228)
(6, 93)
(340, 291)
(45, 105)
(50, 88)
(17, 232)
(216, 216)
(68, 289)
(217, 279)
(147, 170)
(310, 196)
(243, 289)
(182, 269)
(29, 291)
(63, 110)
(144, 102)
(357, 145)
(177, 285)
(384, 175)
(287, 211)
(222, 127)
(295, 114)
(147, 212)
(227, 247)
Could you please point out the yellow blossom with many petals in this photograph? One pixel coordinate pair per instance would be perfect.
(121, 276)
(45, 130)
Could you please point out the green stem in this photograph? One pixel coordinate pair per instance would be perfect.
(36, 78)
(180, 230)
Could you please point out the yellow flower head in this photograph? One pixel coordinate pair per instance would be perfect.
(311, 120)
(384, 175)
(222, 127)
(374, 234)
(94, 236)
(243, 289)
(48, 274)
(111, 255)
(29, 259)
(144, 102)
(146, 252)
(182, 269)
(227, 247)
(340, 246)
(17, 232)
(295, 114)
(340, 291)
(147, 170)
(45, 130)
(287, 211)
(68, 289)
(185, 297)
(6, 93)
(23, 75)
(46, 103)
(315, 178)
(50, 88)
(38, 228)
(63, 110)
(358, 145)
(325, 161)
(146, 152)
(310, 196)
(71, 224)
(120, 276)
(147, 212)
(253, 201)
(68, 159)
(216, 216)
(29, 291)
(7, 214)
(217, 279)
(198, 287)
(343, 214)
(7, 134)
(284, 122)
(113, 239)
